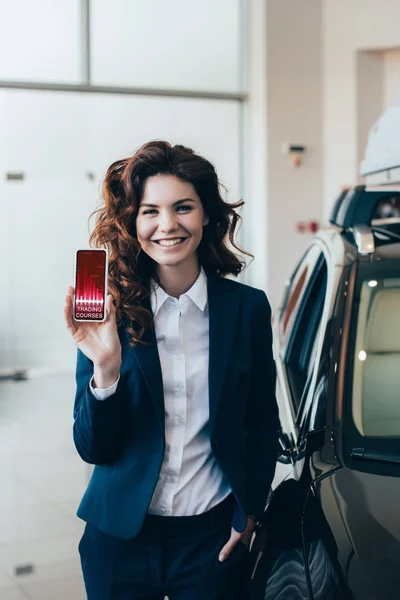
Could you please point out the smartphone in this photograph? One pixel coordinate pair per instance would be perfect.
(91, 275)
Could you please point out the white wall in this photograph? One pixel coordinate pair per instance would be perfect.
(348, 27)
(255, 148)
(294, 113)
(391, 77)
(369, 85)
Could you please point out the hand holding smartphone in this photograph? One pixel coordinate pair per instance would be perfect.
(91, 277)
(91, 316)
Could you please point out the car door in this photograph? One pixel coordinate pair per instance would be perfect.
(304, 380)
(313, 355)
(367, 488)
(281, 570)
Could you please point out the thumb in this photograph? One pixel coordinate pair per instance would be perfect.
(226, 550)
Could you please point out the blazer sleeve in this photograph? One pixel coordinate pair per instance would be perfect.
(262, 425)
(98, 424)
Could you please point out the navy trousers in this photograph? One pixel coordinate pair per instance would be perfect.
(171, 556)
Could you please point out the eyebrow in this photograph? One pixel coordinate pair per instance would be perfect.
(174, 204)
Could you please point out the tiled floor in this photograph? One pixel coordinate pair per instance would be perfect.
(41, 482)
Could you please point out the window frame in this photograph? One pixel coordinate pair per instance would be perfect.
(308, 261)
(311, 259)
(298, 344)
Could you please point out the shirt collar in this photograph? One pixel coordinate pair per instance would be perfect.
(197, 293)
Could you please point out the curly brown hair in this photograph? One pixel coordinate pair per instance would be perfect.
(130, 270)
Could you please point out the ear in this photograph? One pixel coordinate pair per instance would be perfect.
(206, 220)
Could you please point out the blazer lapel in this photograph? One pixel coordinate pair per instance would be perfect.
(149, 363)
(223, 314)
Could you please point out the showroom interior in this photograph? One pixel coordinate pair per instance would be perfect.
(279, 94)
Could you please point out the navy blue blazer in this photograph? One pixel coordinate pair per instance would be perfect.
(124, 435)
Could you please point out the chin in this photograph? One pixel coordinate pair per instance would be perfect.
(169, 262)
(173, 261)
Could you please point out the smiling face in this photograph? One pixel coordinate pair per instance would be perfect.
(170, 221)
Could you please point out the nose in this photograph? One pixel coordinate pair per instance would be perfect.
(168, 221)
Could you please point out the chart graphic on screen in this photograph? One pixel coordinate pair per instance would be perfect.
(90, 284)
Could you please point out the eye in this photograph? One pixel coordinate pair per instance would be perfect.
(185, 207)
(149, 211)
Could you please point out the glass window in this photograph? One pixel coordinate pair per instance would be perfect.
(376, 381)
(40, 40)
(294, 293)
(300, 356)
(387, 208)
(179, 44)
(294, 296)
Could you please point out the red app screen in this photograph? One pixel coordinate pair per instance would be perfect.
(90, 284)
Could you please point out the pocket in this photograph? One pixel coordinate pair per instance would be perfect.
(236, 557)
(245, 546)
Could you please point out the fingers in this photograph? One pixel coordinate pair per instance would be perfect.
(111, 309)
(229, 546)
(71, 292)
(68, 309)
(237, 538)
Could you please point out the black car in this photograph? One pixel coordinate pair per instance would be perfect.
(332, 525)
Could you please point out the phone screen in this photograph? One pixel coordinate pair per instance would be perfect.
(90, 285)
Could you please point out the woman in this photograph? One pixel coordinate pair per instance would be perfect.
(175, 400)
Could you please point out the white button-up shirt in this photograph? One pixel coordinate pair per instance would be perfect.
(190, 480)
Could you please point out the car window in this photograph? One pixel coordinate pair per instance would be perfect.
(302, 344)
(376, 377)
(294, 294)
(387, 207)
(313, 353)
